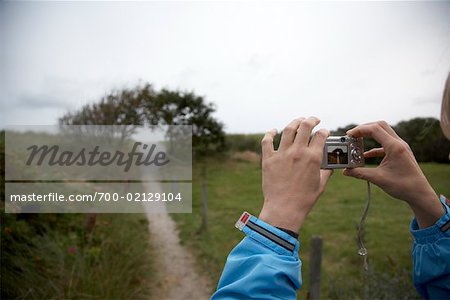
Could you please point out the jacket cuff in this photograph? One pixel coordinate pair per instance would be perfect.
(433, 233)
(268, 235)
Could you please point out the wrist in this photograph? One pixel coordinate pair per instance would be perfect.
(284, 218)
(427, 210)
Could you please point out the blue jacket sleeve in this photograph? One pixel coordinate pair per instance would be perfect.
(264, 265)
(431, 257)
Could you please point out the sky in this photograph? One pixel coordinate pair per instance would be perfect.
(262, 63)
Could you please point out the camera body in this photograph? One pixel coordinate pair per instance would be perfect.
(343, 152)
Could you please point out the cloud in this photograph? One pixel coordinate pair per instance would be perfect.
(261, 63)
(427, 100)
(41, 101)
(255, 62)
(428, 72)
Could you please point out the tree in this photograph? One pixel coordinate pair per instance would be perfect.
(425, 137)
(142, 105)
(122, 107)
(185, 108)
(208, 137)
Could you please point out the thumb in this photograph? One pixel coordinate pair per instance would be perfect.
(370, 174)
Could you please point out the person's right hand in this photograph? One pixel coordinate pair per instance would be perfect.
(398, 174)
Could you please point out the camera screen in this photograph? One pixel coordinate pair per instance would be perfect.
(337, 155)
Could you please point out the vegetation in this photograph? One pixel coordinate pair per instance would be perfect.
(142, 105)
(60, 256)
(98, 256)
(424, 135)
(234, 186)
(56, 256)
(107, 256)
(426, 139)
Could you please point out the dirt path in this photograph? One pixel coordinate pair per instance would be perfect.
(177, 276)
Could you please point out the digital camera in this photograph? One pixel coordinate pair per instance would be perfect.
(343, 152)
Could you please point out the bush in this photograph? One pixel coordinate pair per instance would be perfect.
(57, 256)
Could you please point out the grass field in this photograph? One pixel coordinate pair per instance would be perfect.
(234, 186)
(51, 256)
(73, 256)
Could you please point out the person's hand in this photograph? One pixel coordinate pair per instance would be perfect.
(291, 177)
(398, 174)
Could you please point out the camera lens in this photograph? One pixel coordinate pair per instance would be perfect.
(342, 139)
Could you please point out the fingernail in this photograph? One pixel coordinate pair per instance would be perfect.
(324, 132)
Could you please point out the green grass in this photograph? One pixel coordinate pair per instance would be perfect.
(61, 256)
(236, 186)
(54, 256)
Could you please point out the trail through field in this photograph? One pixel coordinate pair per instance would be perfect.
(177, 276)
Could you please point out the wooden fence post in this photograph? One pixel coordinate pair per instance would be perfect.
(204, 186)
(315, 262)
(204, 204)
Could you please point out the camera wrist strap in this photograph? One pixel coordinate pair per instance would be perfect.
(360, 234)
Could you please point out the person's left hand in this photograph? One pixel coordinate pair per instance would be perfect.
(292, 180)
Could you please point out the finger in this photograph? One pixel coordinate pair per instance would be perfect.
(304, 131)
(289, 132)
(324, 176)
(370, 174)
(267, 143)
(386, 127)
(375, 131)
(318, 140)
(375, 152)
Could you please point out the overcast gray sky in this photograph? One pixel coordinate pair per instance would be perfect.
(262, 63)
